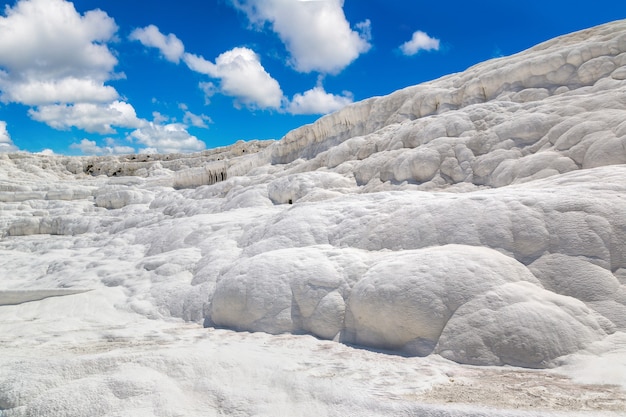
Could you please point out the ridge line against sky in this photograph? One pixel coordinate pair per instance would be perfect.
(109, 77)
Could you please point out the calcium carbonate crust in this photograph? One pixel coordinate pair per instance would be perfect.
(481, 217)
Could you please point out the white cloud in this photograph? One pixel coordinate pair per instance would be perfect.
(239, 70)
(365, 29)
(241, 76)
(169, 138)
(97, 118)
(159, 118)
(158, 136)
(66, 90)
(6, 144)
(52, 54)
(199, 64)
(419, 41)
(89, 147)
(209, 90)
(197, 120)
(148, 151)
(317, 101)
(170, 46)
(57, 60)
(316, 33)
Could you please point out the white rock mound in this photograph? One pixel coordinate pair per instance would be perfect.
(522, 325)
(480, 216)
(405, 300)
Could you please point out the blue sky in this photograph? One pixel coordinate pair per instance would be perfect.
(113, 76)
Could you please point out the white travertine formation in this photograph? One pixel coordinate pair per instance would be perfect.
(480, 218)
(521, 325)
(404, 301)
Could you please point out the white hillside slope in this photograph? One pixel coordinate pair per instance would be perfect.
(478, 219)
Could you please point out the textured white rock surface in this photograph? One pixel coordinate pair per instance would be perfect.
(478, 218)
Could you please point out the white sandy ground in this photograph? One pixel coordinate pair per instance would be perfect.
(79, 356)
(479, 219)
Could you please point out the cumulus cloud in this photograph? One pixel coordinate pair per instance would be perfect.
(318, 101)
(96, 118)
(57, 60)
(6, 144)
(420, 41)
(49, 53)
(66, 90)
(241, 76)
(238, 70)
(196, 120)
(159, 118)
(209, 90)
(170, 46)
(168, 138)
(316, 33)
(89, 147)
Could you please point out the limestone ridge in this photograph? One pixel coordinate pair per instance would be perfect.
(215, 163)
(480, 216)
(536, 113)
